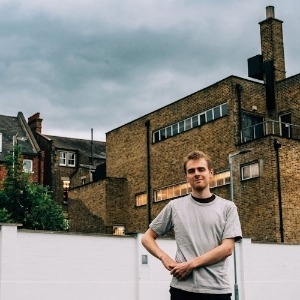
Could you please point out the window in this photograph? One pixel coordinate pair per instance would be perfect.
(209, 115)
(195, 121)
(252, 127)
(285, 128)
(141, 199)
(187, 124)
(181, 126)
(168, 131)
(27, 165)
(191, 122)
(67, 159)
(224, 109)
(172, 191)
(162, 134)
(220, 179)
(175, 128)
(250, 171)
(118, 230)
(217, 112)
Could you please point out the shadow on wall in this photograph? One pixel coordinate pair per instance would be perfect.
(84, 220)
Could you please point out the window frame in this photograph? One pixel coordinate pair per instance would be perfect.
(250, 166)
(141, 199)
(67, 158)
(28, 170)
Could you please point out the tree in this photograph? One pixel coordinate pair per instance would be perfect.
(25, 202)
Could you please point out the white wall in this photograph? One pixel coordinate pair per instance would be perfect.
(46, 265)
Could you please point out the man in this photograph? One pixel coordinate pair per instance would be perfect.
(206, 228)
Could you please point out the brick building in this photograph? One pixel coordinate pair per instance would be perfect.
(69, 162)
(144, 157)
(15, 131)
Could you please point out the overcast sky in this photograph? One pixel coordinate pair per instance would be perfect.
(102, 63)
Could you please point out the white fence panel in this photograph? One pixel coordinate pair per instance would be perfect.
(45, 265)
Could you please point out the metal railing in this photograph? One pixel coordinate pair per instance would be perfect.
(270, 127)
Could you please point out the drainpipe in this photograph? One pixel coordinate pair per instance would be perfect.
(149, 198)
(238, 90)
(277, 145)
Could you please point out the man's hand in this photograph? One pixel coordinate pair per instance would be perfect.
(182, 270)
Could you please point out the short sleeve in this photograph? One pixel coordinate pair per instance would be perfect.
(163, 223)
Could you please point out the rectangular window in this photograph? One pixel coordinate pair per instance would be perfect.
(195, 121)
(217, 112)
(172, 191)
(168, 131)
(175, 128)
(209, 115)
(250, 171)
(27, 165)
(187, 124)
(181, 126)
(62, 158)
(162, 134)
(156, 137)
(71, 159)
(67, 159)
(191, 122)
(202, 119)
(224, 109)
(141, 199)
(220, 179)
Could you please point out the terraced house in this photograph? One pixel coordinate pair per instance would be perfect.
(250, 126)
(14, 131)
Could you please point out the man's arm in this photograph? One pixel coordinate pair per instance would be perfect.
(149, 242)
(182, 270)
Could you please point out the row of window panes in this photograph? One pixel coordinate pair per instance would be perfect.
(67, 159)
(189, 123)
(172, 191)
(219, 179)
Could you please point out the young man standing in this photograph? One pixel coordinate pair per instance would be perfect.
(206, 228)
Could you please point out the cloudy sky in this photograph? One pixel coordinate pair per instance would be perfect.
(102, 63)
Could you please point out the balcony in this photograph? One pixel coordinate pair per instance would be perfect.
(270, 127)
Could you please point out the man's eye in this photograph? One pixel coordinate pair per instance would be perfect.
(191, 171)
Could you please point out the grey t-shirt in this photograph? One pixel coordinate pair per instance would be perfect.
(200, 227)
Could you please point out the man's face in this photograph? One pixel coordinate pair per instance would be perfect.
(198, 175)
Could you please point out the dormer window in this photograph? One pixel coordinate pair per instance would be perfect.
(67, 159)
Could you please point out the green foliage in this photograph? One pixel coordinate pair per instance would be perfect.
(27, 203)
(5, 216)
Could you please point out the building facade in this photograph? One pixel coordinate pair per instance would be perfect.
(253, 124)
(69, 162)
(14, 131)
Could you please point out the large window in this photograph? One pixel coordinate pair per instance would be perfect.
(191, 122)
(67, 159)
(220, 179)
(250, 171)
(172, 191)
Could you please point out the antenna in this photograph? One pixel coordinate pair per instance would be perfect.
(92, 146)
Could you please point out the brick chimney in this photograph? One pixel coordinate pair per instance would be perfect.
(272, 48)
(35, 123)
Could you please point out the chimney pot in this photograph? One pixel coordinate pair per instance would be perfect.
(270, 12)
